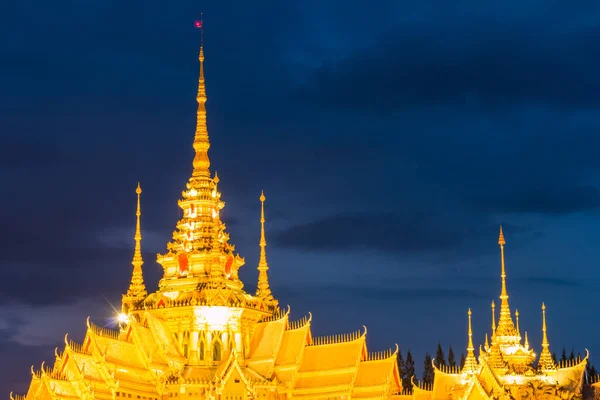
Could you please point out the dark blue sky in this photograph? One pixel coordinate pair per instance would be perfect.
(390, 140)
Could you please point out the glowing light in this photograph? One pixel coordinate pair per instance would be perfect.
(193, 192)
(216, 317)
(171, 295)
(123, 318)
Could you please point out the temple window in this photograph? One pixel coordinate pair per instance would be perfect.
(217, 348)
(201, 351)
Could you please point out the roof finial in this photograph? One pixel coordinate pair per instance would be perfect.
(517, 320)
(546, 362)
(505, 324)
(470, 362)
(137, 289)
(201, 142)
(263, 289)
(493, 319)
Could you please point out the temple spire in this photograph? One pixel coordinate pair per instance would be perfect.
(201, 142)
(263, 290)
(505, 324)
(470, 361)
(546, 362)
(493, 319)
(137, 289)
(517, 321)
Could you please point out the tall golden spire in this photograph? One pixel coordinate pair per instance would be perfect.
(470, 361)
(546, 362)
(200, 251)
(505, 324)
(137, 289)
(201, 142)
(263, 290)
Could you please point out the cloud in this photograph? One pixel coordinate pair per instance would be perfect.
(423, 234)
(342, 293)
(470, 58)
(548, 281)
(363, 231)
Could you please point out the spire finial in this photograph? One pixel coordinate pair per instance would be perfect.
(546, 362)
(201, 142)
(470, 361)
(137, 289)
(493, 318)
(545, 336)
(505, 324)
(470, 333)
(517, 320)
(263, 290)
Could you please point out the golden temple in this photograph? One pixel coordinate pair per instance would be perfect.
(201, 335)
(505, 368)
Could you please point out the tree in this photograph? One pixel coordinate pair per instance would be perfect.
(409, 371)
(462, 360)
(427, 370)
(572, 355)
(563, 356)
(591, 373)
(439, 356)
(554, 357)
(451, 359)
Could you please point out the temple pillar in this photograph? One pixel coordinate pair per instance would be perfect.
(224, 340)
(238, 343)
(208, 347)
(193, 350)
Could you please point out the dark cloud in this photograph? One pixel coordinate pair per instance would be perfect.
(548, 281)
(562, 199)
(411, 233)
(370, 232)
(469, 59)
(341, 293)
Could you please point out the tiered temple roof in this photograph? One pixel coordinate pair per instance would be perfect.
(506, 368)
(201, 335)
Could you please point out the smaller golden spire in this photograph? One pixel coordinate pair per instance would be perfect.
(470, 361)
(263, 290)
(493, 318)
(546, 362)
(137, 289)
(545, 337)
(487, 343)
(470, 347)
(526, 341)
(505, 323)
(517, 318)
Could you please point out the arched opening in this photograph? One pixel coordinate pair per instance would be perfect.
(217, 350)
(201, 351)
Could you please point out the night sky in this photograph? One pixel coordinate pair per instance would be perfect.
(391, 141)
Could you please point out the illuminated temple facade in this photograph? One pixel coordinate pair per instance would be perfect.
(506, 368)
(201, 335)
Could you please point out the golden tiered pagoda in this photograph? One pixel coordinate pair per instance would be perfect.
(201, 335)
(505, 369)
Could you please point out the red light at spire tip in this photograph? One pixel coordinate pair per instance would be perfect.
(198, 24)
